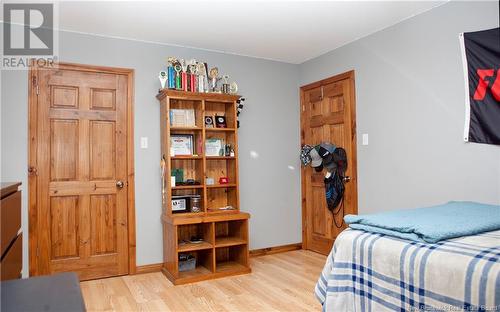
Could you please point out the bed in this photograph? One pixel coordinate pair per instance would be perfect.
(376, 272)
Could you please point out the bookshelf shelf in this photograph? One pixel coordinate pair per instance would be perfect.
(224, 250)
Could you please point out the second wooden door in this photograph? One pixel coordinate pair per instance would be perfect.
(81, 173)
(327, 115)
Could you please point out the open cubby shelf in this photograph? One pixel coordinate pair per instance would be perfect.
(223, 250)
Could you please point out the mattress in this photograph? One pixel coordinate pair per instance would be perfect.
(375, 272)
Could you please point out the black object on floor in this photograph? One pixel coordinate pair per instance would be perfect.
(58, 292)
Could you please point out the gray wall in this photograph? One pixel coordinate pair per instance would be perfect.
(270, 191)
(410, 100)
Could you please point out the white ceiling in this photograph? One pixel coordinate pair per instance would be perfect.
(291, 32)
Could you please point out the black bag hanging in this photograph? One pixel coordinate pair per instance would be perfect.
(334, 190)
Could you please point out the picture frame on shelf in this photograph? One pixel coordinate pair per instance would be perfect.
(181, 145)
(213, 147)
(182, 118)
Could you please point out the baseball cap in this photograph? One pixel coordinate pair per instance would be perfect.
(316, 159)
(326, 151)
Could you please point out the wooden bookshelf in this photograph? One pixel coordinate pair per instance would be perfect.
(224, 249)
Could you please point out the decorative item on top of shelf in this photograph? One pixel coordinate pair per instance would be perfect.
(239, 109)
(182, 117)
(184, 75)
(220, 121)
(181, 145)
(193, 72)
(213, 147)
(209, 121)
(223, 180)
(202, 77)
(171, 61)
(178, 79)
(225, 86)
(214, 78)
(233, 88)
(163, 79)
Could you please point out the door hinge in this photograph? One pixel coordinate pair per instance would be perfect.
(35, 85)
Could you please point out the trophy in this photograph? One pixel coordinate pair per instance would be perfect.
(178, 69)
(225, 85)
(193, 69)
(184, 76)
(163, 79)
(171, 61)
(213, 74)
(202, 78)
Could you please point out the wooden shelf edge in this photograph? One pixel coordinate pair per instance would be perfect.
(229, 241)
(219, 157)
(187, 187)
(220, 129)
(193, 247)
(208, 276)
(201, 217)
(229, 185)
(177, 94)
(185, 157)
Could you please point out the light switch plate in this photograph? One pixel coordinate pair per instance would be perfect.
(365, 139)
(144, 142)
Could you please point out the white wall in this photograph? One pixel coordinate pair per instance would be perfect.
(410, 100)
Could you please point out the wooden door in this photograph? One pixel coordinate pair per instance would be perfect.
(80, 215)
(327, 115)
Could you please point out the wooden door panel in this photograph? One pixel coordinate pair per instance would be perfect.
(64, 221)
(63, 96)
(327, 116)
(102, 150)
(102, 99)
(63, 149)
(103, 224)
(82, 118)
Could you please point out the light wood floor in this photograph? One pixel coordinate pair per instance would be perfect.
(279, 282)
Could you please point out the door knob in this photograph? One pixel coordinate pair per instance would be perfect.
(120, 184)
(347, 179)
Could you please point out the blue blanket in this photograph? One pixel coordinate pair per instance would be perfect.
(431, 224)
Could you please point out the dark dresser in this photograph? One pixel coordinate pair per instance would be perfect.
(11, 237)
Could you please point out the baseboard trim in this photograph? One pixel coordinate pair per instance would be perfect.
(156, 267)
(149, 268)
(275, 250)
